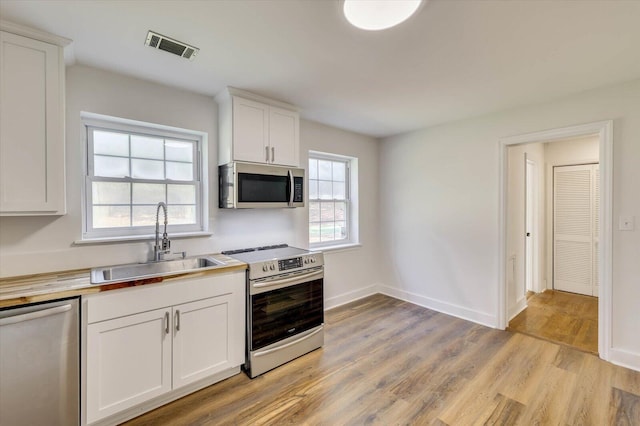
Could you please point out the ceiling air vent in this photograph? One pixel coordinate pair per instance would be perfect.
(158, 41)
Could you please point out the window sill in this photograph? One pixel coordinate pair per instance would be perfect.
(137, 238)
(337, 248)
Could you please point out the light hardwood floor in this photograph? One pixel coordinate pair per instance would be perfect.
(389, 362)
(561, 317)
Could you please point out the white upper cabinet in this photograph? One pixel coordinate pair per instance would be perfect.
(32, 177)
(257, 130)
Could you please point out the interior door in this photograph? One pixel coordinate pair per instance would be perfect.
(529, 215)
(575, 229)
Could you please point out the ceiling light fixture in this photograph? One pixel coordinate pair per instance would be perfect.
(374, 15)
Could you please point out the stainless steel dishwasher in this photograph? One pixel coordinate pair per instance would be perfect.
(39, 364)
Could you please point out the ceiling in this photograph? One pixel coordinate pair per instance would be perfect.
(452, 60)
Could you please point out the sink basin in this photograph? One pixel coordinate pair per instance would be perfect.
(138, 271)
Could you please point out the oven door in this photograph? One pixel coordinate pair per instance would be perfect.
(283, 306)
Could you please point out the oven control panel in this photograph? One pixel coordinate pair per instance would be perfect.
(290, 264)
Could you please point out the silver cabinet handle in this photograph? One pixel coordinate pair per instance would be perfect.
(178, 320)
(34, 315)
(273, 154)
(266, 152)
(166, 322)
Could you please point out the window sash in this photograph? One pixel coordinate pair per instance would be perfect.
(347, 203)
(90, 231)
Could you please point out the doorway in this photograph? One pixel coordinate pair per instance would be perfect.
(603, 130)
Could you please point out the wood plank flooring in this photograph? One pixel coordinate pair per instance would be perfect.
(388, 362)
(561, 317)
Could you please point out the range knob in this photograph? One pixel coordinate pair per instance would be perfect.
(313, 260)
(265, 268)
(306, 261)
(272, 267)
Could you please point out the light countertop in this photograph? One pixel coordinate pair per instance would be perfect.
(57, 285)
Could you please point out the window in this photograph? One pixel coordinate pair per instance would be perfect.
(131, 167)
(332, 210)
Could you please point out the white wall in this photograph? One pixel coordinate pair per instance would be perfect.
(352, 273)
(439, 188)
(45, 244)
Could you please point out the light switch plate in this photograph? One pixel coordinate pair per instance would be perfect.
(626, 223)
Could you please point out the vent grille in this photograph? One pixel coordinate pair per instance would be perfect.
(160, 42)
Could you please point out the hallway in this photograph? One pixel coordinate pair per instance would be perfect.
(560, 317)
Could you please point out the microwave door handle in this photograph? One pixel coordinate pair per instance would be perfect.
(290, 173)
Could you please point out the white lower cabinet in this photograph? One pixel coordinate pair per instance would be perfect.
(152, 343)
(200, 339)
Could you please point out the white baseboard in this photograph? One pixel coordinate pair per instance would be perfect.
(351, 296)
(624, 359)
(440, 306)
(517, 308)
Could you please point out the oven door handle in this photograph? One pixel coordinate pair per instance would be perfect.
(301, 278)
(295, 342)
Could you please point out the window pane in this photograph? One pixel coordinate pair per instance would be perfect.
(110, 166)
(339, 171)
(340, 210)
(313, 189)
(314, 233)
(179, 171)
(327, 232)
(324, 169)
(341, 230)
(110, 193)
(181, 194)
(146, 216)
(179, 151)
(110, 143)
(111, 216)
(147, 169)
(324, 188)
(313, 168)
(148, 193)
(314, 211)
(181, 215)
(326, 212)
(146, 147)
(338, 191)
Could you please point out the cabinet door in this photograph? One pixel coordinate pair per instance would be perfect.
(250, 131)
(32, 130)
(202, 338)
(283, 136)
(130, 362)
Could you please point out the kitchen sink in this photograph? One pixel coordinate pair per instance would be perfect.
(137, 271)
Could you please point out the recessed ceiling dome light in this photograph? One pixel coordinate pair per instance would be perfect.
(376, 15)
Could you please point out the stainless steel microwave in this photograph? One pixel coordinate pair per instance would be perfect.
(251, 186)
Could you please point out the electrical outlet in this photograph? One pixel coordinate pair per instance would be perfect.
(626, 223)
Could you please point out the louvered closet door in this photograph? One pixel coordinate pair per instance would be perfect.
(575, 224)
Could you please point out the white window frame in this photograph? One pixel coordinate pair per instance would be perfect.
(351, 199)
(93, 121)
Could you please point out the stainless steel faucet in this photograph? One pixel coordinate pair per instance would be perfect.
(161, 247)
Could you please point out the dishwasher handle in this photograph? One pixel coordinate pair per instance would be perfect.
(34, 315)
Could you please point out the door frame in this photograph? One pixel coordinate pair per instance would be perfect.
(604, 130)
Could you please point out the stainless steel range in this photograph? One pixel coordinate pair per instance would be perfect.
(285, 304)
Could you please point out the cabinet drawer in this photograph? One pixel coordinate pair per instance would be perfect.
(119, 303)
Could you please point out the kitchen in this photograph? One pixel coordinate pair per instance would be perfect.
(53, 243)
